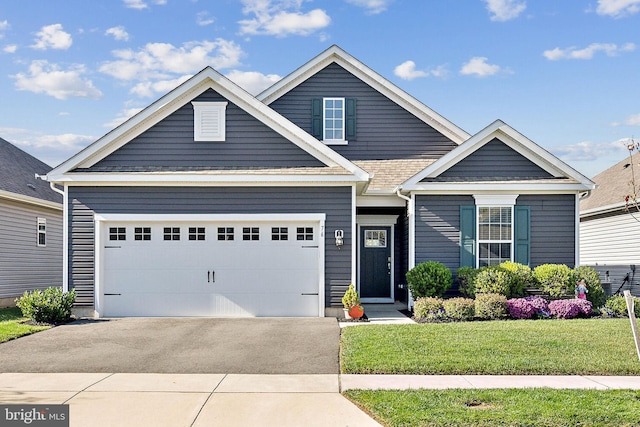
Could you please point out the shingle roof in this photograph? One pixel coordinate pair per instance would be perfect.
(17, 174)
(613, 184)
(388, 174)
(321, 170)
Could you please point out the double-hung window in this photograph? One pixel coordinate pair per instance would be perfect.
(495, 235)
(42, 232)
(333, 121)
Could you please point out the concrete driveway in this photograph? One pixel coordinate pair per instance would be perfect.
(180, 346)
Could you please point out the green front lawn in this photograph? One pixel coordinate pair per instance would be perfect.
(505, 407)
(540, 347)
(11, 325)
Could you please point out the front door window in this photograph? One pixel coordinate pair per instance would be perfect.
(375, 239)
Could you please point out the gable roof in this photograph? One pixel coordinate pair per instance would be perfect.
(563, 176)
(613, 185)
(334, 54)
(208, 78)
(18, 180)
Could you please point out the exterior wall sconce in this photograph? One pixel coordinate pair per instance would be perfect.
(339, 238)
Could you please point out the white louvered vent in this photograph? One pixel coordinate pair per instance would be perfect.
(209, 121)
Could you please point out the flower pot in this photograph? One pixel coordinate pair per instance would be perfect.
(356, 311)
(346, 314)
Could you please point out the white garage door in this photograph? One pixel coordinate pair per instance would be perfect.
(199, 268)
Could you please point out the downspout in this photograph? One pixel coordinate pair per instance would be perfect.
(411, 243)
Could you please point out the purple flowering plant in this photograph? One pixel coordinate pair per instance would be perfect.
(526, 308)
(570, 308)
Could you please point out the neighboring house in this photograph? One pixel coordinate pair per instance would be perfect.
(212, 202)
(609, 226)
(30, 226)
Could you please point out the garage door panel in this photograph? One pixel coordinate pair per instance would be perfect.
(212, 277)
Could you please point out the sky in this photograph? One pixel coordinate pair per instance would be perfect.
(563, 73)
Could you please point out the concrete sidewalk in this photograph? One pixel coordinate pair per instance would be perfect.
(99, 399)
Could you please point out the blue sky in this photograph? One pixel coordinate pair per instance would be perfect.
(564, 73)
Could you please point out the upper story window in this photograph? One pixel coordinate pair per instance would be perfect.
(42, 232)
(209, 121)
(334, 120)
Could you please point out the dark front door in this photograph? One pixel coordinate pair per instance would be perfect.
(375, 263)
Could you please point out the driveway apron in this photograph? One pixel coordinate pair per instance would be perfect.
(181, 346)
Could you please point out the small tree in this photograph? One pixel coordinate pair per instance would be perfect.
(429, 279)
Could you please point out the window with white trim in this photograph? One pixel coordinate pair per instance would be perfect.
(495, 235)
(375, 238)
(42, 232)
(333, 122)
(209, 121)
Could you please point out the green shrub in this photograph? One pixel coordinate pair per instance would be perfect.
(459, 308)
(466, 277)
(493, 280)
(429, 279)
(594, 285)
(521, 278)
(617, 306)
(428, 308)
(49, 306)
(491, 306)
(554, 279)
(351, 297)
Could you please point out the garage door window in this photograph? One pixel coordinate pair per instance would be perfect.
(279, 233)
(171, 233)
(225, 233)
(250, 233)
(117, 233)
(196, 233)
(304, 233)
(142, 233)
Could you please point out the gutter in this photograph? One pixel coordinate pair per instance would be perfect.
(51, 184)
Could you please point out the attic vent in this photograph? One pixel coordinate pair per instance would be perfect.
(209, 121)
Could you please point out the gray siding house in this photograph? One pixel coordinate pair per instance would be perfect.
(30, 226)
(609, 226)
(212, 202)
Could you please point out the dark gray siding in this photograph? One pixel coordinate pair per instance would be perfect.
(495, 159)
(552, 228)
(334, 201)
(613, 278)
(384, 129)
(24, 265)
(249, 143)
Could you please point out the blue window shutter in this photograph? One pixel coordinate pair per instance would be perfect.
(522, 234)
(467, 236)
(316, 118)
(350, 115)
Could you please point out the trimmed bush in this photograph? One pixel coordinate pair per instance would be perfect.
(459, 308)
(526, 308)
(570, 308)
(428, 308)
(429, 279)
(594, 285)
(49, 306)
(521, 277)
(554, 279)
(491, 306)
(617, 306)
(466, 277)
(493, 280)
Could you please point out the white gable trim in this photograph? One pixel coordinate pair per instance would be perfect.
(29, 200)
(373, 79)
(205, 79)
(514, 140)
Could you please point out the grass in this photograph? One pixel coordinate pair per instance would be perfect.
(536, 347)
(501, 407)
(11, 325)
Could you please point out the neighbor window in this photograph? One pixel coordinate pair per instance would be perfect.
(142, 233)
(42, 232)
(117, 233)
(495, 237)
(333, 121)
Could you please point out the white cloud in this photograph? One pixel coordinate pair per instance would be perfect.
(4, 25)
(149, 89)
(164, 61)
(372, 6)
(52, 36)
(49, 79)
(618, 8)
(588, 150)
(610, 49)
(281, 18)
(253, 81)
(141, 4)
(479, 67)
(51, 149)
(632, 120)
(407, 71)
(203, 18)
(505, 10)
(118, 33)
(122, 117)
(10, 48)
